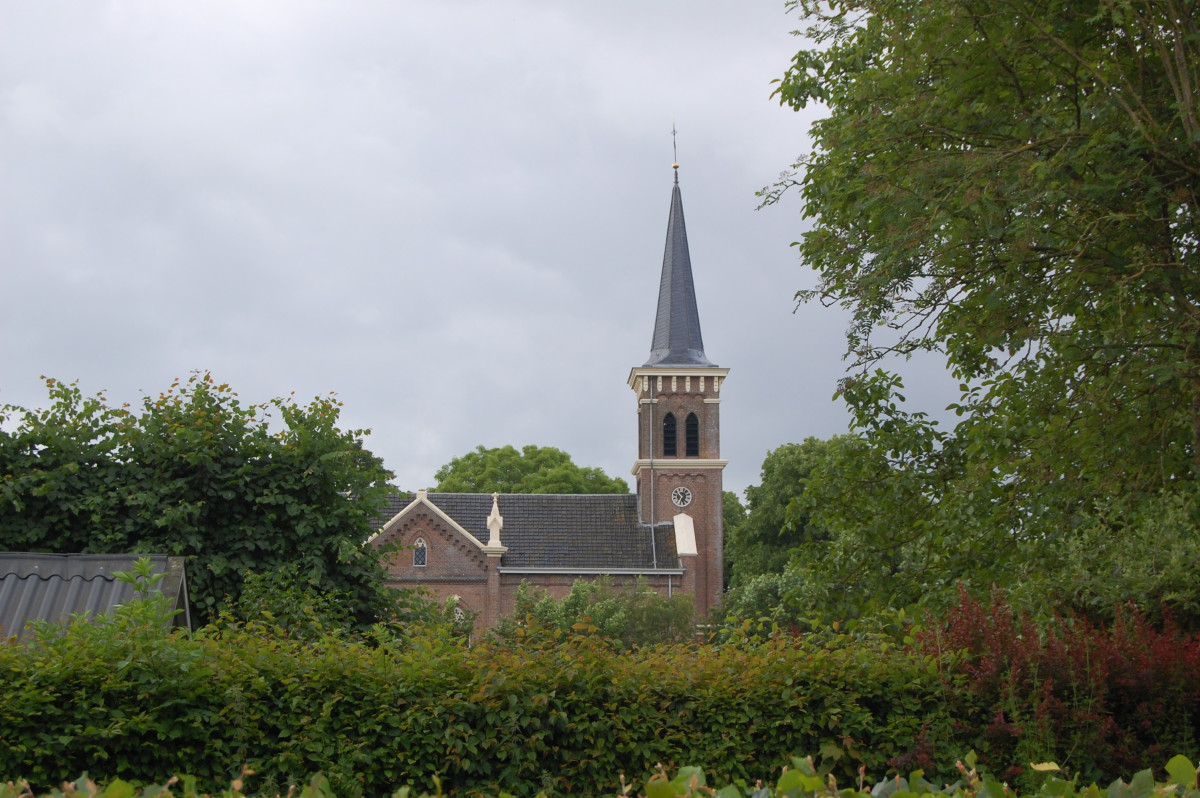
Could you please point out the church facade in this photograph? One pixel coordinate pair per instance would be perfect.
(478, 548)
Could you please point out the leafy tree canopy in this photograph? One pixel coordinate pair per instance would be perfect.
(764, 541)
(733, 515)
(1011, 184)
(534, 469)
(195, 472)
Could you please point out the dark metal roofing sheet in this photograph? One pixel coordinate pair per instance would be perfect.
(53, 587)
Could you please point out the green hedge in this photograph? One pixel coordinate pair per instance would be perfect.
(564, 718)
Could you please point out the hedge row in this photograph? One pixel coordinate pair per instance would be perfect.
(121, 699)
(566, 718)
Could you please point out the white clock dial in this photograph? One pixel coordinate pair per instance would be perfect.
(681, 497)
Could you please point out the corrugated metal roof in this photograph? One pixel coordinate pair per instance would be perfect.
(53, 587)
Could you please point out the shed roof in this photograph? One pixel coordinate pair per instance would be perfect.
(53, 587)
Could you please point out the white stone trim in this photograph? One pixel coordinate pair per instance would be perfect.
(595, 571)
(685, 536)
(495, 522)
(422, 498)
(678, 465)
(642, 374)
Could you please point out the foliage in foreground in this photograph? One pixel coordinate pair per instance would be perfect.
(123, 700)
(563, 712)
(195, 472)
(1098, 700)
(801, 780)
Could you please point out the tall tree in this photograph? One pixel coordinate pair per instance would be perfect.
(1012, 184)
(195, 472)
(534, 469)
(765, 540)
(733, 516)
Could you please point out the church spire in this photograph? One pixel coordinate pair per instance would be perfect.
(677, 340)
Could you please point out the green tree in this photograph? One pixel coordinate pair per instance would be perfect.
(764, 541)
(1011, 184)
(534, 469)
(733, 516)
(195, 472)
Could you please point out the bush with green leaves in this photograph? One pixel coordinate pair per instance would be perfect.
(282, 602)
(568, 712)
(628, 615)
(193, 471)
(564, 717)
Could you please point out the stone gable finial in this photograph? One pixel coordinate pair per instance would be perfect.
(495, 522)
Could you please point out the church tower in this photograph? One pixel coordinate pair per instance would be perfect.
(679, 465)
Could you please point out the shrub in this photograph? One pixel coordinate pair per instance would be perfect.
(632, 615)
(1097, 700)
(564, 719)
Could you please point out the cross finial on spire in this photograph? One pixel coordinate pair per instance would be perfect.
(674, 151)
(677, 340)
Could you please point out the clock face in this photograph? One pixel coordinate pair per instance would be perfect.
(681, 497)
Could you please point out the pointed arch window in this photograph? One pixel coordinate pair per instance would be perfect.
(420, 553)
(669, 437)
(691, 435)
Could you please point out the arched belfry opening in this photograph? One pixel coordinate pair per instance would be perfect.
(679, 463)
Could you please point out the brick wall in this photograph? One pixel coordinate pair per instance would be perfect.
(454, 566)
(681, 395)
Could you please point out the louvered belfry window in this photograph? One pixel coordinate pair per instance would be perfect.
(692, 435)
(669, 448)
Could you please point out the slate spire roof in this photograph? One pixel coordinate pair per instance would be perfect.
(677, 340)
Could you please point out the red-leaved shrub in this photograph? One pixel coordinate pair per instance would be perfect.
(1098, 701)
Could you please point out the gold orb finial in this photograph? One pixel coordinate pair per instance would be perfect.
(675, 165)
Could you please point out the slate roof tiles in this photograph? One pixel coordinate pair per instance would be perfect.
(594, 532)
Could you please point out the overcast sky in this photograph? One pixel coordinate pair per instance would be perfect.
(450, 214)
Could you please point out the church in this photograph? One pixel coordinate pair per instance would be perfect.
(478, 548)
